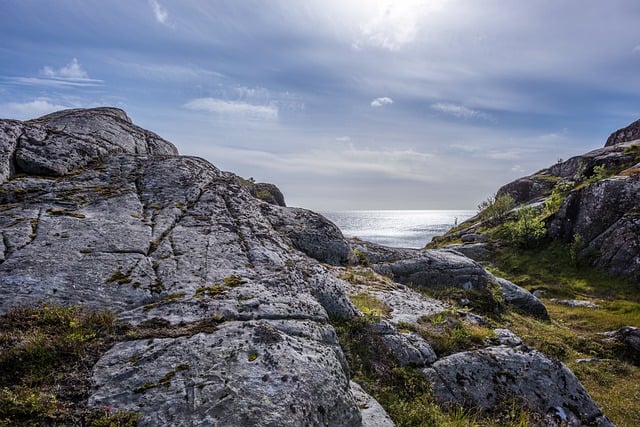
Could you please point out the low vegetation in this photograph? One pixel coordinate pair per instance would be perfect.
(574, 335)
(403, 391)
(46, 356)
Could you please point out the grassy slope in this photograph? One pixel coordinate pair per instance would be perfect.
(576, 333)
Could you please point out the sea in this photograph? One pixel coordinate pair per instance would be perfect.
(397, 228)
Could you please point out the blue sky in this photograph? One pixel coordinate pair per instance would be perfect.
(344, 104)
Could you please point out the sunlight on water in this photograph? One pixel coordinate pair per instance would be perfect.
(404, 229)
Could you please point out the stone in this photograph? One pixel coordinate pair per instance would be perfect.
(575, 303)
(506, 337)
(483, 378)
(373, 415)
(521, 298)
(629, 339)
(629, 133)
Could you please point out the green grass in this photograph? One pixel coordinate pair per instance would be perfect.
(575, 333)
(46, 355)
(404, 392)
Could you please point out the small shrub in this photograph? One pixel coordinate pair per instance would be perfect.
(496, 208)
(362, 257)
(370, 306)
(528, 229)
(577, 245)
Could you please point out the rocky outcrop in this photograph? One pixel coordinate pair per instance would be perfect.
(446, 268)
(485, 377)
(599, 208)
(628, 340)
(629, 133)
(230, 300)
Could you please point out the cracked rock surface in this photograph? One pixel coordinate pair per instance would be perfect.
(240, 293)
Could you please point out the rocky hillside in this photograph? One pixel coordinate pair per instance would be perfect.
(235, 312)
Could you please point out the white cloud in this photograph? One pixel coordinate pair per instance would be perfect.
(70, 75)
(159, 12)
(636, 49)
(379, 102)
(458, 110)
(396, 23)
(29, 110)
(343, 139)
(403, 164)
(72, 71)
(235, 108)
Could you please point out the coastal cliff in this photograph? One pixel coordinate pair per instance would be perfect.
(226, 309)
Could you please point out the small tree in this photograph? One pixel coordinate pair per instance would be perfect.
(496, 208)
(528, 229)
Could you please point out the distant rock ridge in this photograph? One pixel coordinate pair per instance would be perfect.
(629, 133)
(601, 204)
(241, 294)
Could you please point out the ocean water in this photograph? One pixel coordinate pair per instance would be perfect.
(397, 228)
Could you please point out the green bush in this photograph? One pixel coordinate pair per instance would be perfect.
(528, 229)
(496, 208)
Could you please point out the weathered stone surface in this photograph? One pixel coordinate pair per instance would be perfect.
(443, 268)
(629, 338)
(475, 251)
(485, 377)
(373, 415)
(506, 337)
(625, 134)
(172, 242)
(605, 215)
(67, 140)
(521, 298)
(537, 186)
(575, 303)
(312, 234)
(424, 268)
(408, 348)
(244, 373)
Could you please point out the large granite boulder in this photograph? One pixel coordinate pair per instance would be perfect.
(487, 377)
(443, 268)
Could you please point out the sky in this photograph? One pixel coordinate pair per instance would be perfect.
(343, 104)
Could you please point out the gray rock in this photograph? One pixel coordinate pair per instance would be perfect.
(475, 251)
(605, 215)
(373, 415)
(575, 303)
(521, 298)
(244, 373)
(312, 234)
(424, 268)
(506, 337)
(629, 338)
(443, 268)
(625, 134)
(483, 378)
(408, 348)
(473, 238)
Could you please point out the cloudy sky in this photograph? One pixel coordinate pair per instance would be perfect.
(344, 104)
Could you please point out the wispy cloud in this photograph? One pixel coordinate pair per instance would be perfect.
(29, 110)
(159, 11)
(458, 111)
(71, 71)
(379, 102)
(234, 108)
(70, 75)
(396, 23)
(343, 139)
